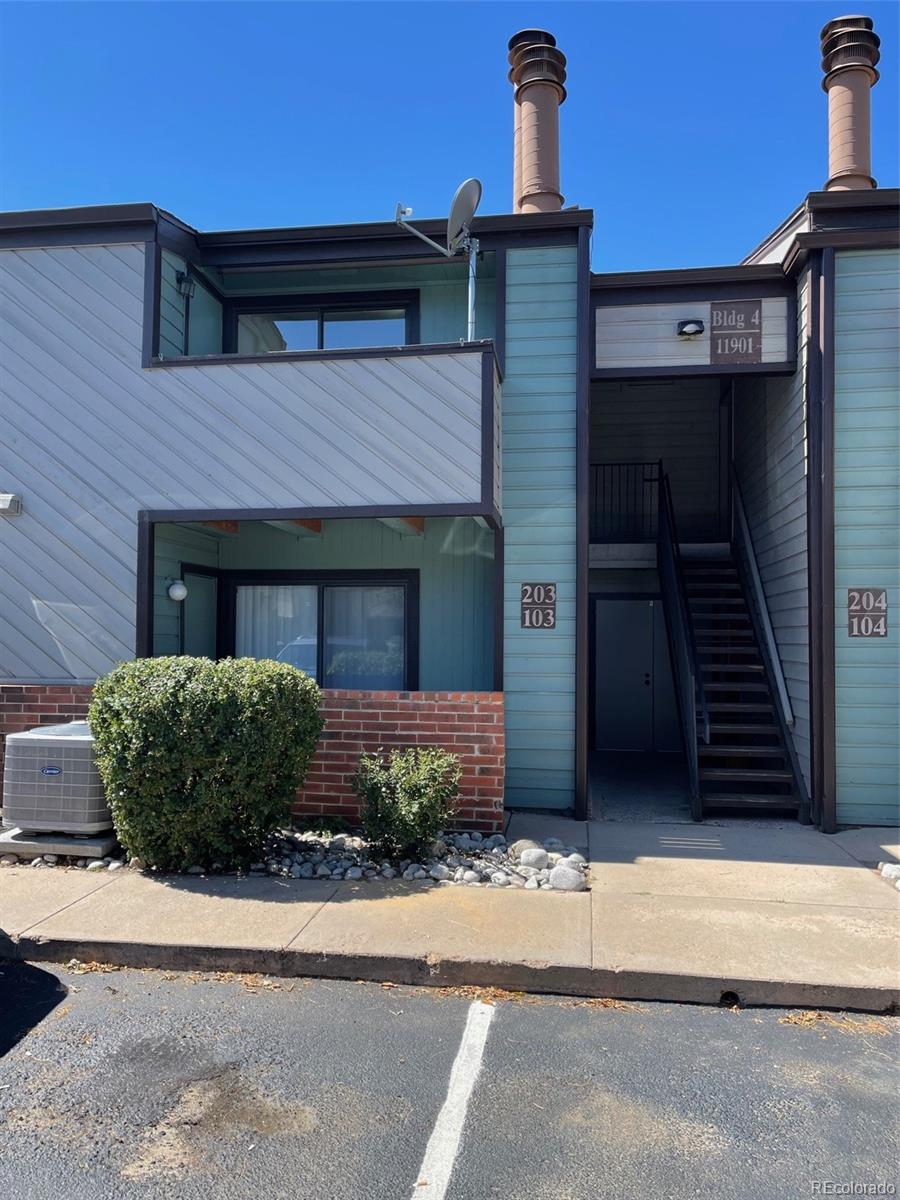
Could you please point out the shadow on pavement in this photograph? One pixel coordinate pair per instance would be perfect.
(27, 995)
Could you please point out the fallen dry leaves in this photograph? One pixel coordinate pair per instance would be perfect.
(815, 1018)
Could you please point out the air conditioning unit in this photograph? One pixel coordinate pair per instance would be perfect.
(50, 782)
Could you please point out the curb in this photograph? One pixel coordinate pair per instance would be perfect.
(432, 971)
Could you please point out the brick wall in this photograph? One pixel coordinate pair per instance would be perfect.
(25, 705)
(468, 723)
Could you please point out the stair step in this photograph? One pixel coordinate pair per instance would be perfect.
(727, 601)
(735, 685)
(738, 727)
(715, 637)
(740, 619)
(724, 648)
(747, 800)
(773, 751)
(745, 775)
(741, 668)
(712, 586)
(738, 706)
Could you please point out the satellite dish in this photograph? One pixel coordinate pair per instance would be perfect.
(462, 210)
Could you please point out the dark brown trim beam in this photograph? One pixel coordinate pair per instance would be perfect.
(584, 358)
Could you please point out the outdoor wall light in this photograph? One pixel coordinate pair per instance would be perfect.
(690, 329)
(177, 590)
(185, 284)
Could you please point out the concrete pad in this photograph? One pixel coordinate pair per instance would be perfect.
(32, 894)
(870, 846)
(260, 913)
(540, 826)
(477, 924)
(738, 940)
(32, 845)
(741, 863)
(744, 864)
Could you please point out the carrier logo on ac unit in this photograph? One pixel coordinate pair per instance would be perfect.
(51, 770)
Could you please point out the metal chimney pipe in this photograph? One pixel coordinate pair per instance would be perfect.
(538, 73)
(849, 54)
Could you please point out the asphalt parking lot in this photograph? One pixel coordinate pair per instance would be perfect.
(136, 1084)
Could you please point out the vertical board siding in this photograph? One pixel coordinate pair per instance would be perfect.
(89, 438)
(454, 558)
(174, 545)
(770, 454)
(677, 422)
(867, 531)
(539, 396)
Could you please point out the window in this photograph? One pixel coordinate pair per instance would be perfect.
(347, 630)
(274, 324)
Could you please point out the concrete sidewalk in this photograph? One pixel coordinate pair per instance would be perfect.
(771, 915)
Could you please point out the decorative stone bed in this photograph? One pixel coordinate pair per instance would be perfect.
(455, 859)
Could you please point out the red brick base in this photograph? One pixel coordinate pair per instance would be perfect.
(468, 723)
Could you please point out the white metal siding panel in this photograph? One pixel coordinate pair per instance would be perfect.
(644, 335)
(867, 531)
(89, 438)
(539, 397)
(770, 453)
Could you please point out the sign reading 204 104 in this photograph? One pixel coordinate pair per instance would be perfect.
(735, 334)
(538, 605)
(867, 612)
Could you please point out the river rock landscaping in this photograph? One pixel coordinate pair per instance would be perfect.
(468, 859)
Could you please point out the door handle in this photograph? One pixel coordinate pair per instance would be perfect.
(646, 679)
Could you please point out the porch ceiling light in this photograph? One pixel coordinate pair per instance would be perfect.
(690, 329)
(177, 590)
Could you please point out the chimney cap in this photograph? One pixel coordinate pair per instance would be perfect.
(538, 63)
(529, 37)
(848, 42)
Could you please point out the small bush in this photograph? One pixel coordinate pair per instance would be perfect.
(407, 798)
(200, 760)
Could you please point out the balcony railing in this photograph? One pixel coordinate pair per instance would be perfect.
(624, 502)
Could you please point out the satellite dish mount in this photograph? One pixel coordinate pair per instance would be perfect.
(459, 236)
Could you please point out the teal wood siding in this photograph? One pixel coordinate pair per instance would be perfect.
(539, 408)
(867, 531)
(173, 545)
(171, 307)
(454, 558)
(770, 454)
(204, 323)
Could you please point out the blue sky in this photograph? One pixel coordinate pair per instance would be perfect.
(692, 129)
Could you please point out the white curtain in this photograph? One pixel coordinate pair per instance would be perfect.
(278, 621)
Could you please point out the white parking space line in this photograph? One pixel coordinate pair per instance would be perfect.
(443, 1145)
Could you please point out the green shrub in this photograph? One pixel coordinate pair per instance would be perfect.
(200, 760)
(407, 798)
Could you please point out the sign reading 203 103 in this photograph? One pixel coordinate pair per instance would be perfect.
(735, 333)
(538, 605)
(867, 612)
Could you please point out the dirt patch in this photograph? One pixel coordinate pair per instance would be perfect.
(206, 1112)
(632, 1126)
(843, 1022)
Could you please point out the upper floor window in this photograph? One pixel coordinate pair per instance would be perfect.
(338, 325)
